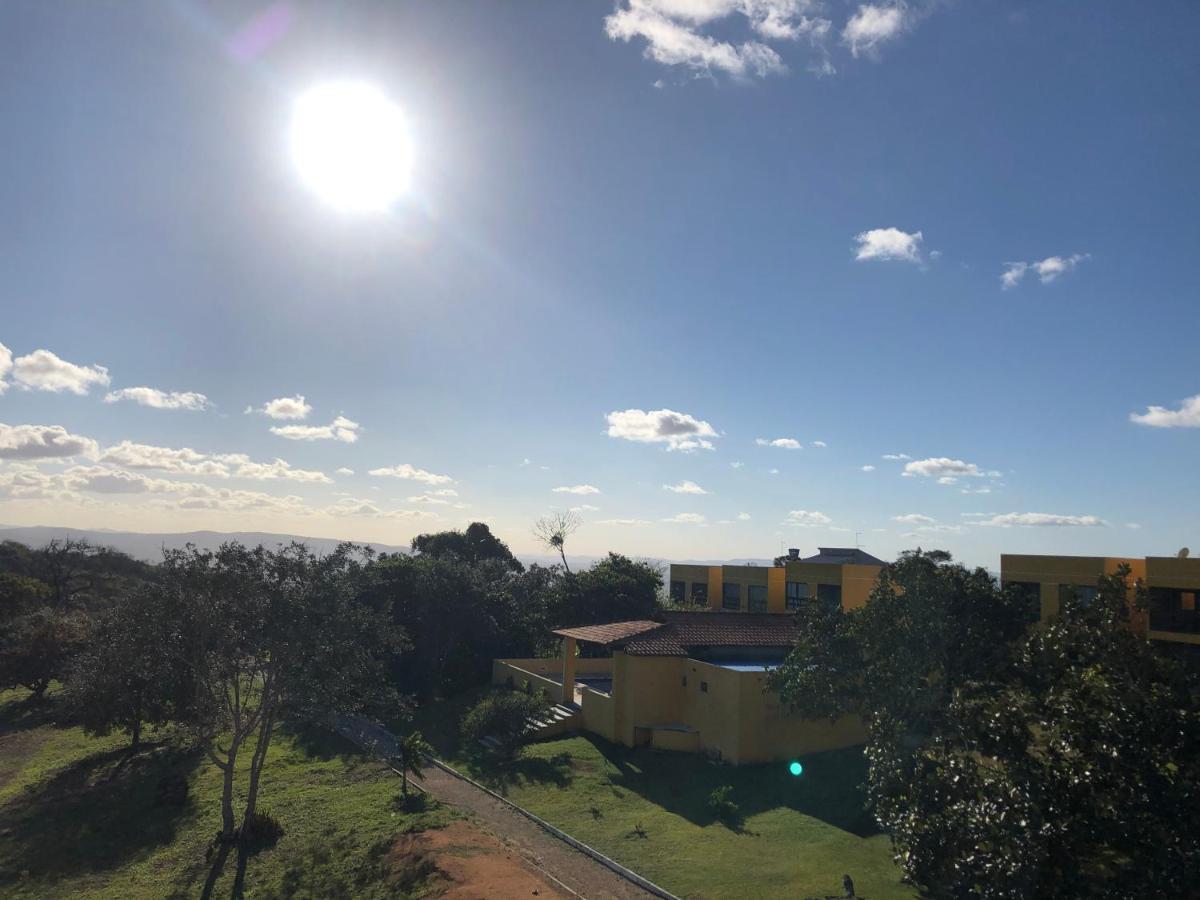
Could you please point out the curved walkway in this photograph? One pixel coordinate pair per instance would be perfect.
(576, 872)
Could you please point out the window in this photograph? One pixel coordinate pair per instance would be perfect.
(756, 598)
(685, 681)
(677, 591)
(731, 595)
(700, 593)
(704, 687)
(1083, 594)
(829, 595)
(797, 592)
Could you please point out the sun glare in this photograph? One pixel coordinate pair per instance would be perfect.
(351, 146)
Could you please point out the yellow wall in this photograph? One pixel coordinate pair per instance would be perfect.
(734, 719)
(690, 575)
(1051, 572)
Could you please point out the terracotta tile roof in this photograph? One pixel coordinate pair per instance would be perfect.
(679, 632)
(611, 633)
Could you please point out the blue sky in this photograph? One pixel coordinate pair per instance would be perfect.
(771, 219)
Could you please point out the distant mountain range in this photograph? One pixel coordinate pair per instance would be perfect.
(149, 547)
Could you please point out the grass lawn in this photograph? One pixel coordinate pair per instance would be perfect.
(80, 818)
(796, 837)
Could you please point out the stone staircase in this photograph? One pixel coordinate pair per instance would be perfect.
(555, 720)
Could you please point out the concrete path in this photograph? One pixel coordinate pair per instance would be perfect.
(572, 869)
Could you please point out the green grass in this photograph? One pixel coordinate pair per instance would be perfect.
(79, 817)
(796, 837)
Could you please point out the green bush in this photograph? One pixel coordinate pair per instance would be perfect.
(505, 717)
(262, 831)
(721, 804)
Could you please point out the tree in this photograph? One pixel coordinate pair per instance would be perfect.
(553, 531)
(614, 589)
(36, 648)
(475, 545)
(130, 673)
(410, 754)
(269, 635)
(1056, 761)
(505, 717)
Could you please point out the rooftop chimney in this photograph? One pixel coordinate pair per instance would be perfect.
(793, 552)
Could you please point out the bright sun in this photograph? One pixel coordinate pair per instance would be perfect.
(351, 146)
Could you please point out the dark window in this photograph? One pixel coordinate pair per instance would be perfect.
(731, 595)
(756, 598)
(700, 593)
(1174, 610)
(677, 591)
(685, 681)
(797, 592)
(704, 687)
(829, 595)
(1083, 594)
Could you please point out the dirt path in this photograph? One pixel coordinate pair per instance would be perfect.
(573, 870)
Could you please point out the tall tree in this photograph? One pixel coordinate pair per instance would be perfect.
(1052, 761)
(554, 530)
(475, 545)
(130, 673)
(615, 588)
(271, 634)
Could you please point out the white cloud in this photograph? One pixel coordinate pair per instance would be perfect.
(340, 429)
(43, 371)
(685, 487)
(804, 518)
(818, 444)
(687, 519)
(6, 361)
(914, 519)
(875, 24)
(156, 399)
(979, 490)
(743, 517)
(672, 31)
(888, 244)
(427, 498)
(185, 460)
(293, 408)
(580, 489)
(585, 507)
(43, 442)
(946, 470)
(344, 471)
(772, 471)
(406, 471)
(624, 522)
(736, 465)
(1133, 525)
(1051, 520)
(677, 430)
(443, 492)
(895, 456)
(868, 468)
(1187, 416)
(785, 443)
(1047, 270)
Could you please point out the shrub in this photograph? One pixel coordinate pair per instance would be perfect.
(261, 831)
(721, 804)
(503, 716)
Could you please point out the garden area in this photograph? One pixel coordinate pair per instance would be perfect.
(771, 834)
(80, 816)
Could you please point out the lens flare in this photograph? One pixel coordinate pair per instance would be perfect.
(795, 768)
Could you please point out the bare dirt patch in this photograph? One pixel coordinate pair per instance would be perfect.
(463, 862)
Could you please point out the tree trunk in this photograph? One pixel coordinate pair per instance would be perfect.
(256, 764)
(227, 821)
(563, 553)
(136, 736)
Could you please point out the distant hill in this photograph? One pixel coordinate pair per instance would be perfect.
(149, 547)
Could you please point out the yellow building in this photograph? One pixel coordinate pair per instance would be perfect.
(687, 681)
(1172, 584)
(842, 575)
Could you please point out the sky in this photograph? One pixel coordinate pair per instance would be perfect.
(721, 276)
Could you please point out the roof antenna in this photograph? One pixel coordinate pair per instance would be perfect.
(857, 542)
